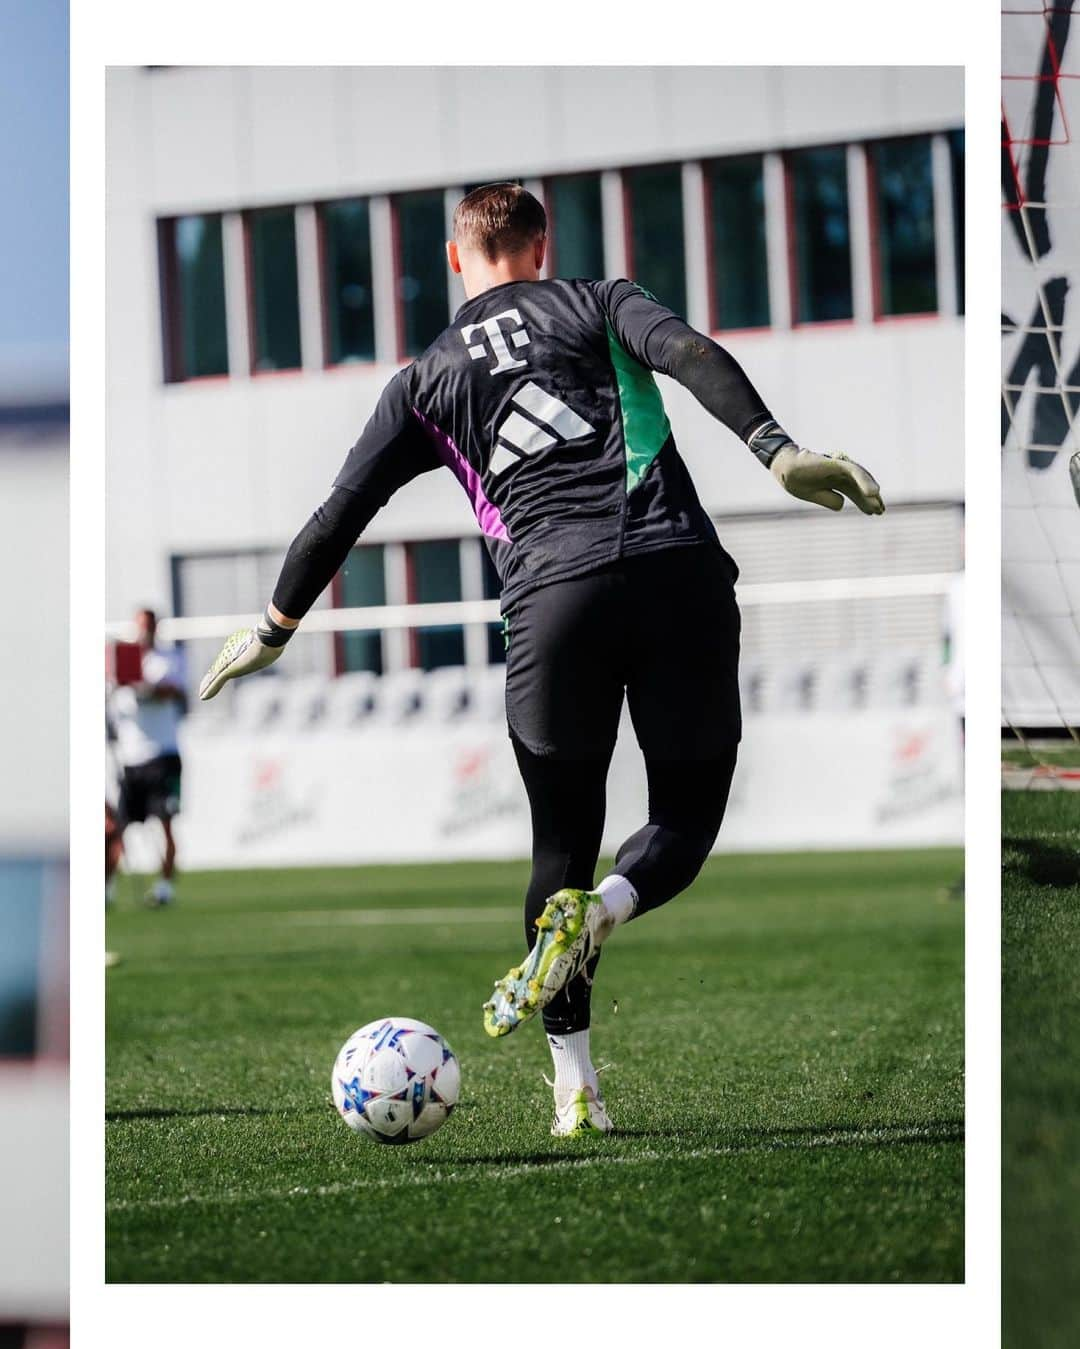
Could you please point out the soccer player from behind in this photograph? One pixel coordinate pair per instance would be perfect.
(540, 398)
(146, 719)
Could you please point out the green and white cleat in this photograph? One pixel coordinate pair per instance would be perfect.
(580, 1113)
(570, 929)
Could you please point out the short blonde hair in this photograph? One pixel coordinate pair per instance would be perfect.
(499, 218)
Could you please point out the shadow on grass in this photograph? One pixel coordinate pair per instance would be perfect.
(802, 1138)
(1042, 862)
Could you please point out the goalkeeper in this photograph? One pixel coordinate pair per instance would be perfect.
(540, 398)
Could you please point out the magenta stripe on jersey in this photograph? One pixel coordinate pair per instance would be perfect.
(486, 512)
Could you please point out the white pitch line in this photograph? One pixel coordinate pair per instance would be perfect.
(390, 917)
(838, 1138)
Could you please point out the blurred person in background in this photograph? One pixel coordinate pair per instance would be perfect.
(145, 716)
(540, 398)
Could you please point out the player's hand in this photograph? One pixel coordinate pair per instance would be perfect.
(826, 479)
(243, 653)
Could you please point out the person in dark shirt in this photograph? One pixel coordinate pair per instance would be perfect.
(540, 399)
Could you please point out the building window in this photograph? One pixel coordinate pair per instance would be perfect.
(193, 297)
(361, 583)
(422, 278)
(575, 226)
(956, 155)
(903, 203)
(818, 190)
(275, 300)
(434, 571)
(656, 257)
(345, 234)
(21, 885)
(739, 263)
(496, 640)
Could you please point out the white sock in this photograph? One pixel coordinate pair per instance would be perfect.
(573, 1064)
(620, 897)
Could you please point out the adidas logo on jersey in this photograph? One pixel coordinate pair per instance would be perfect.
(549, 422)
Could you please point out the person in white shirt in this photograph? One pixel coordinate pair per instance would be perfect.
(146, 718)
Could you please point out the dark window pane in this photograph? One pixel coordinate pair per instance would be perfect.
(436, 577)
(363, 583)
(956, 152)
(422, 285)
(904, 200)
(274, 293)
(740, 272)
(822, 243)
(20, 955)
(350, 312)
(575, 220)
(496, 644)
(194, 296)
(657, 259)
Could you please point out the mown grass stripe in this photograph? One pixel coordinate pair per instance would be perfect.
(927, 1134)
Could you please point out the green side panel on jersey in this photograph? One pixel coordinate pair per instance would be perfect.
(645, 423)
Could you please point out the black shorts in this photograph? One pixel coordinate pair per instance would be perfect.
(151, 790)
(662, 627)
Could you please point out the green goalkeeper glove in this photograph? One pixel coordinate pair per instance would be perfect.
(247, 650)
(824, 479)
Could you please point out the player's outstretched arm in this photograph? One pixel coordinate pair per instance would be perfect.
(721, 385)
(661, 340)
(391, 452)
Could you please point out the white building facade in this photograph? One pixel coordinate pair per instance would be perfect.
(275, 253)
(232, 462)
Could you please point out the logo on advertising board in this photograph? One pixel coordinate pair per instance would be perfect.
(479, 793)
(922, 772)
(273, 804)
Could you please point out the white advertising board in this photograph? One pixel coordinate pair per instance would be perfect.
(432, 793)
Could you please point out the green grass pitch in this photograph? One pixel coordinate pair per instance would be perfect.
(786, 1051)
(1041, 1068)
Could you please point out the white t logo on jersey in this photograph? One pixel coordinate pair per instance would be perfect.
(496, 339)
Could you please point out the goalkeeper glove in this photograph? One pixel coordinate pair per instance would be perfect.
(823, 479)
(247, 650)
(1074, 473)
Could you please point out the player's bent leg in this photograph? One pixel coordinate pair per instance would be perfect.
(567, 805)
(568, 935)
(687, 801)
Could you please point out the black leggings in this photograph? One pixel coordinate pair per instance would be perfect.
(687, 799)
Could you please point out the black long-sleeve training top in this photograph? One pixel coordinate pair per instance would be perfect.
(540, 399)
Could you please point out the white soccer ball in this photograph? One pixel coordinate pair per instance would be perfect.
(396, 1080)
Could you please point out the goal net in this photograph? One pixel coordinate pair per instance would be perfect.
(1040, 112)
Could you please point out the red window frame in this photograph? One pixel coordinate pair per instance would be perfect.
(715, 328)
(246, 218)
(551, 259)
(324, 297)
(792, 245)
(874, 215)
(172, 309)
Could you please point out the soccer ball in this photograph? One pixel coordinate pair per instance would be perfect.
(396, 1080)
